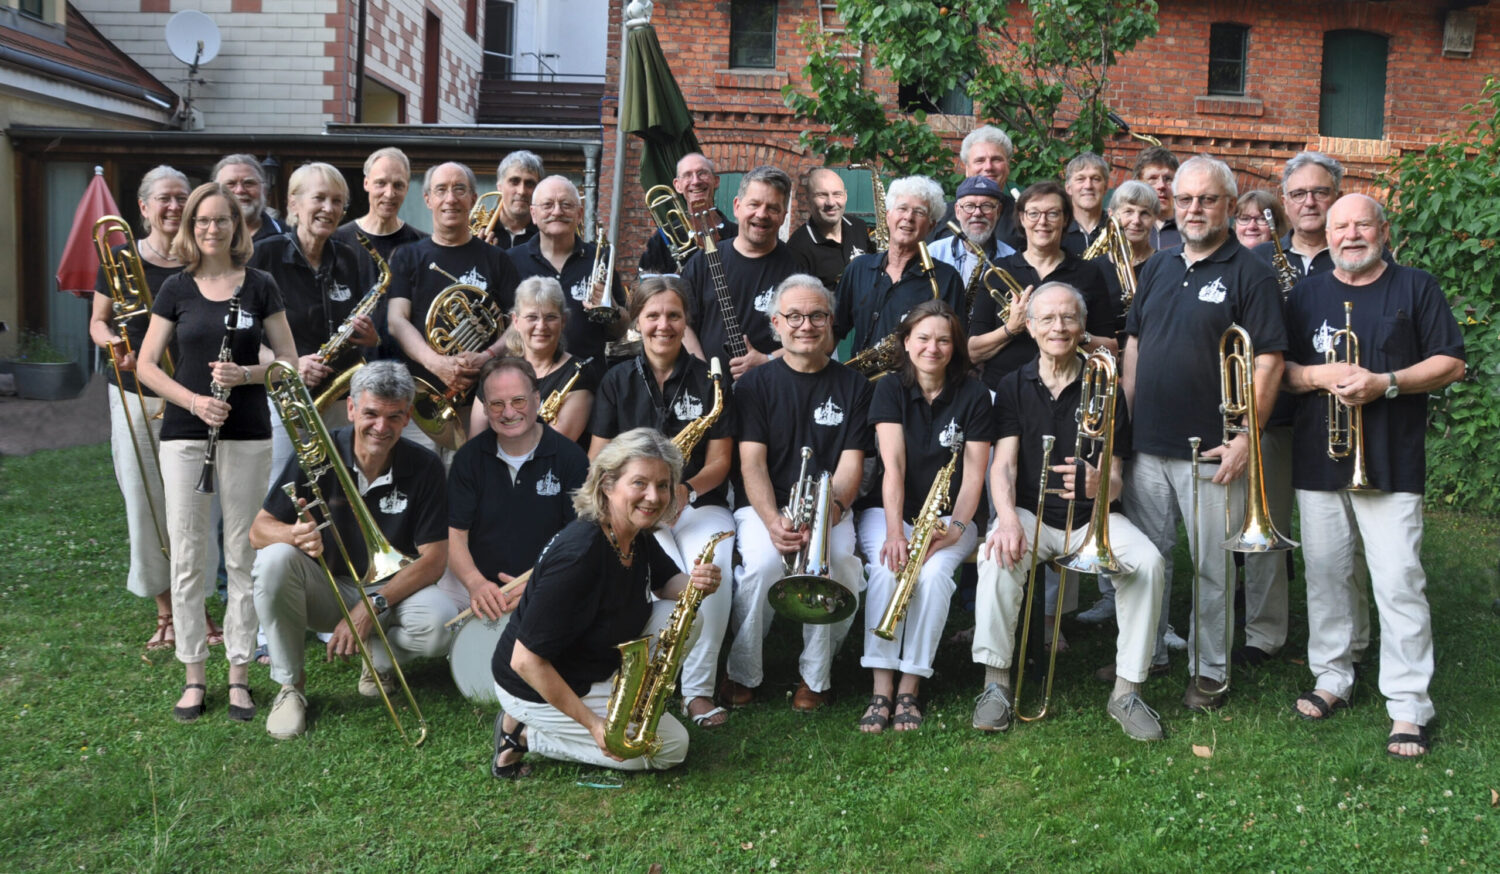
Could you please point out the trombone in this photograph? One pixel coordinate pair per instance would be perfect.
(317, 455)
(1346, 424)
(1113, 243)
(808, 593)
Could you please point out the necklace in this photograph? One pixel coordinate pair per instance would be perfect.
(624, 556)
(146, 241)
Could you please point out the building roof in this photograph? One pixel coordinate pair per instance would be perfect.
(85, 58)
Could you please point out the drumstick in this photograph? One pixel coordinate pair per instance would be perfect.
(505, 589)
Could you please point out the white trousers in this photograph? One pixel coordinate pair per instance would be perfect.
(150, 569)
(1138, 595)
(240, 471)
(1158, 491)
(1266, 601)
(292, 594)
(917, 636)
(694, 528)
(1389, 525)
(750, 616)
(555, 735)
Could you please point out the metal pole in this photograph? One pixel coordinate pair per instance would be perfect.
(635, 14)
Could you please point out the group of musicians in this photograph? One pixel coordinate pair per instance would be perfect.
(522, 476)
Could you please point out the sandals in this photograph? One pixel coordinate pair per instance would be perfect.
(911, 719)
(215, 633)
(241, 714)
(191, 714)
(877, 714)
(262, 655)
(1324, 709)
(505, 743)
(702, 720)
(1421, 739)
(165, 636)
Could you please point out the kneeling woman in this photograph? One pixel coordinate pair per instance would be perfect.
(555, 664)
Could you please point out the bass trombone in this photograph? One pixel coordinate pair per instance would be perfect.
(808, 593)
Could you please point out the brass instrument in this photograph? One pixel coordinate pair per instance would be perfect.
(927, 527)
(337, 344)
(1125, 128)
(1038, 581)
(880, 235)
(646, 679)
(1286, 274)
(693, 432)
(880, 359)
(462, 318)
(984, 272)
(603, 274)
(130, 297)
(671, 215)
(317, 455)
(553, 404)
(1113, 243)
(809, 593)
(482, 218)
(1096, 423)
(220, 392)
(1346, 424)
(929, 268)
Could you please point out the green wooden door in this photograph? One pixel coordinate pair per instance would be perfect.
(1353, 98)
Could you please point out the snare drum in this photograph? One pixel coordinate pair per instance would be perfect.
(469, 659)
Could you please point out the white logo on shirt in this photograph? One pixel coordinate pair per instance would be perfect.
(339, 292)
(687, 408)
(1322, 339)
(952, 436)
(247, 320)
(393, 503)
(828, 413)
(580, 290)
(475, 278)
(763, 300)
(1213, 292)
(548, 485)
(855, 252)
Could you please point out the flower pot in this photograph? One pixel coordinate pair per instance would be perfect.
(47, 382)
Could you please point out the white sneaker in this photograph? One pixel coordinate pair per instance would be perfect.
(1174, 640)
(288, 716)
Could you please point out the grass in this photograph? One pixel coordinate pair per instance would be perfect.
(97, 776)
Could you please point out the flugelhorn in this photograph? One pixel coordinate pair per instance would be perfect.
(1346, 424)
(808, 593)
(317, 456)
(671, 215)
(220, 392)
(927, 527)
(987, 270)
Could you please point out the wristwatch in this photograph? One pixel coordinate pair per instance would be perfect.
(692, 495)
(1392, 390)
(380, 603)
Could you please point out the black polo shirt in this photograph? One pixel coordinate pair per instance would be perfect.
(658, 255)
(474, 263)
(1025, 408)
(1082, 275)
(872, 306)
(509, 521)
(825, 258)
(270, 226)
(961, 413)
(786, 410)
(504, 239)
(385, 244)
(1167, 236)
(410, 508)
(583, 336)
(317, 301)
(135, 327)
(629, 397)
(751, 284)
(1401, 318)
(1007, 225)
(1179, 314)
(1077, 241)
(580, 605)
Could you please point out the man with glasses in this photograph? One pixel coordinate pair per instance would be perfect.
(829, 240)
(987, 151)
(879, 289)
(246, 180)
(802, 399)
(977, 210)
(697, 183)
(516, 179)
(1186, 298)
(558, 251)
(421, 270)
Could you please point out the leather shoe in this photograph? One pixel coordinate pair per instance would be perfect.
(1198, 701)
(1250, 657)
(1106, 674)
(805, 700)
(734, 695)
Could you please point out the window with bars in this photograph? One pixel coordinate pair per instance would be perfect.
(752, 33)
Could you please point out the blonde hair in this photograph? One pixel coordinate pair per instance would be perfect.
(308, 174)
(185, 247)
(637, 444)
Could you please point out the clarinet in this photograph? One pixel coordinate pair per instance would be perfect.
(226, 353)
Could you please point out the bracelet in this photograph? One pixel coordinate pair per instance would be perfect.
(246, 373)
(843, 510)
(962, 526)
(193, 406)
(1006, 327)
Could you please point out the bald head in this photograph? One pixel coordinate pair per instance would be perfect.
(1357, 235)
(826, 199)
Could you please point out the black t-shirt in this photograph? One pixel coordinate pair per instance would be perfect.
(1024, 408)
(510, 520)
(582, 335)
(199, 330)
(658, 255)
(872, 306)
(961, 413)
(1178, 317)
(1400, 319)
(629, 397)
(751, 282)
(1082, 275)
(385, 244)
(825, 258)
(135, 328)
(474, 263)
(580, 605)
(317, 302)
(588, 380)
(410, 509)
(787, 410)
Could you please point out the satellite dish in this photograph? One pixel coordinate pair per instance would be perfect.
(193, 37)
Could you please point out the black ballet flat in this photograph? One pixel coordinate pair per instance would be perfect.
(241, 714)
(191, 714)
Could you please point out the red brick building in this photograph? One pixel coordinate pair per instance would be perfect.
(1395, 78)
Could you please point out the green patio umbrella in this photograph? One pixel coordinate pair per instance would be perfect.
(653, 108)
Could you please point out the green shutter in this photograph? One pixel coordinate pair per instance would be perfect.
(1353, 99)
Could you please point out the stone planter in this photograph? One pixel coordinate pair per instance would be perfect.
(47, 382)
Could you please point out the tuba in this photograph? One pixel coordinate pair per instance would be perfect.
(645, 682)
(1346, 424)
(693, 432)
(925, 528)
(1286, 274)
(317, 456)
(482, 218)
(671, 215)
(462, 318)
(880, 235)
(553, 404)
(809, 593)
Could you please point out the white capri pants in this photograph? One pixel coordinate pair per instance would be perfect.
(915, 645)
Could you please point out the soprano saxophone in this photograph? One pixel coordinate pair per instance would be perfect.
(646, 682)
(927, 527)
(693, 432)
(1286, 274)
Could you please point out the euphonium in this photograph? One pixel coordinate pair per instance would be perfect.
(646, 679)
(336, 345)
(603, 274)
(1346, 424)
(671, 215)
(462, 318)
(880, 234)
(481, 217)
(693, 432)
(317, 456)
(1286, 274)
(809, 593)
(553, 404)
(1096, 423)
(927, 527)
(986, 271)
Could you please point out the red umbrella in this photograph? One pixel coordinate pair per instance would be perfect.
(80, 260)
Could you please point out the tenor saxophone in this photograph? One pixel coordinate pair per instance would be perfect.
(647, 679)
(927, 527)
(693, 433)
(878, 360)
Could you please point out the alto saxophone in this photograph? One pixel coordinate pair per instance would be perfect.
(927, 527)
(553, 404)
(693, 433)
(339, 342)
(645, 683)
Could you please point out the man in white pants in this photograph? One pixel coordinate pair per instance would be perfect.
(1409, 345)
(1039, 399)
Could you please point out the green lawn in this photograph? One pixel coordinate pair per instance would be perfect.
(97, 776)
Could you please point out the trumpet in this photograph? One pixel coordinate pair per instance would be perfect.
(462, 318)
(1346, 424)
(927, 527)
(553, 404)
(220, 392)
(880, 235)
(671, 215)
(482, 218)
(809, 593)
(339, 342)
(603, 274)
(984, 271)
(317, 456)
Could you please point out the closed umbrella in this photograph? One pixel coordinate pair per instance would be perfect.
(80, 260)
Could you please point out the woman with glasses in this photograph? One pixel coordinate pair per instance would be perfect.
(667, 389)
(538, 324)
(213, 245)
(1250, 226)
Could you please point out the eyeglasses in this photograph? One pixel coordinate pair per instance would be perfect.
(1049, 321)
(913, 211)
(445, 190)
(983, 208)
(818, 318)
(165, 199)
(203, 222)
(563, 206)
(1252, 220)
(517, 403)
(1322, 192)
(1036, 215)
(1186, 201)
(534, 318)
